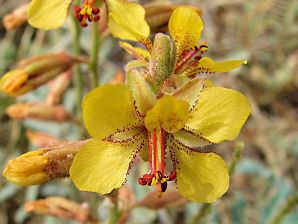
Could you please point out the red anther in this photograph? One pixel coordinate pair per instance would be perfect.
(84, 24)
(164, 186)
(96, 18)
(142, 182)
(89, 18)
(76, 8)
(95, 11)
(80, 17)
(148, 177)
(172, 175)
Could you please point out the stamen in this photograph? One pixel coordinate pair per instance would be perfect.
(86, 12)
(163, 149)
(190, 57)
(150, 153)
(156, 152)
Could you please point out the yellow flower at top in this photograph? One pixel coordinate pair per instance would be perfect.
(185, 27)
(51, 14)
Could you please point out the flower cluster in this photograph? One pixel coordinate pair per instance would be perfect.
(164, 114)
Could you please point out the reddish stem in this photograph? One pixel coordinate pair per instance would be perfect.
(163, 148)
(150, 153)
(184, 59)
(154, 143)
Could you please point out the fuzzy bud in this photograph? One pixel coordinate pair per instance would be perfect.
(38, 111)
(57, 87)
(41, 139)
(42, 165)
(163, 60)
(61, 208)
(34, 72)
(16, 18)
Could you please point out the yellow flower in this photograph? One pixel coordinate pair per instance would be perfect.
(185, 26)
(125, 121)
(51, 14)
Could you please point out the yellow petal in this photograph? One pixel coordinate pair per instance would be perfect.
(219, 114)
(169, 113)
(141, 92)
(185, 27)
(127, 20)
(190, 91)
(48, 14)
(208, 65)
(137, 52)
(109, 108)
(201, 177)
(193, 141)
(101, 166)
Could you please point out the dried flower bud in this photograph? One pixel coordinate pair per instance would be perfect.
(16, 18)
(42, 165)
(41, 139)
(60, 207)
(170, 199)
(158, 15)
(38, 111)
(34, 72)
(57, 88)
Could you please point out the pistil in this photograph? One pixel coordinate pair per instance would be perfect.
(156, 157)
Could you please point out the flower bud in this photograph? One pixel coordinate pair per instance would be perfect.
(158, 15)
(41, 139)
(38, 111)
(57, 88)
(16, 18)
(34, 72)
(42, 165)
(162, 62)
(60, 207)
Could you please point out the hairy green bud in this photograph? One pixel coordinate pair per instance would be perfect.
(162, 63)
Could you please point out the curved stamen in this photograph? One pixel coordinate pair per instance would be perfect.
(156, 155)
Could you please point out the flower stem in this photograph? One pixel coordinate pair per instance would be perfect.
(93, 63)
(289, 206)
(114, 214)
(78, 81)
(236, 157)
(202, 214)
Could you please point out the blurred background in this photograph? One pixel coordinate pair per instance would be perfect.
(263, 187)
